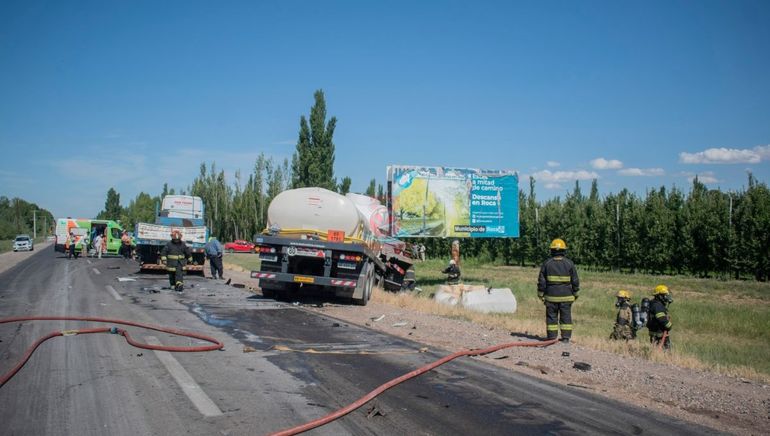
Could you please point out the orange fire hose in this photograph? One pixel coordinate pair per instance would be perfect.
(382, 388)
(216, 345)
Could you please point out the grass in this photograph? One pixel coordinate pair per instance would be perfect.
(246, 261)
(719, 325)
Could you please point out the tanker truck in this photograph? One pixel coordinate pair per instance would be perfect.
(318, 240)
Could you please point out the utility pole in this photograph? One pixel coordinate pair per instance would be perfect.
(617, 223)
(34, 224)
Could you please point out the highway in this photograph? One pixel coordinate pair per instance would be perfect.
(281, 366)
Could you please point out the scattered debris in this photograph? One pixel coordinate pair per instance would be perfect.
(248, 349)
(379, 318)
(228, 282)
(113, 267)
(400, 324)
(374, 411)
(151, 289)
(336, 324)
(211, 295)
(238, 285)
(424, 350)
(296, 303)
(139, 354)
(501, 357)
(743, 380)
(126, 279)
(522, 363)
(582, 366)
(565, 353)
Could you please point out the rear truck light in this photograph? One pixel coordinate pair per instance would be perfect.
(262, 249)
(351, 257)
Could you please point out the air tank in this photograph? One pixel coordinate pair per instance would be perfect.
(315, 209)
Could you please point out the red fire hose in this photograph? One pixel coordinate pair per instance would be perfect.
(216, 345)
(382, 388)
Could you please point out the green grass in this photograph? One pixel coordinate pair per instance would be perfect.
(247, 261)
(718, 324)
(6, 245)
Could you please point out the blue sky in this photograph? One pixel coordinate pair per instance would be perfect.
(132, 94)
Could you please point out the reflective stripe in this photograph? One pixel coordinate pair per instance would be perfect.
(668, 325)
(552, 328)
(564, 299)
(566, 326)
(660, 315)
(170, 269)
(189, 259)
(656, 334)
(163, 258)
(179, 283)
(176, 257)
(558, 279)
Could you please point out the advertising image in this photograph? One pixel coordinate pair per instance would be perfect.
(453, 202)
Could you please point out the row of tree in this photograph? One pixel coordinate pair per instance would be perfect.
(703, 232)
(20, 217)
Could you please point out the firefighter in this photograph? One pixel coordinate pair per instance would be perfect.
(558, 286)
(453, 273)
(175, 256)
(658, 320)
(623, 328)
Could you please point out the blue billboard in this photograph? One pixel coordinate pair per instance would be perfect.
(453, 202)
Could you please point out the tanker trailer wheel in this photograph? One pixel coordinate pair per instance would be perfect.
(368, 286)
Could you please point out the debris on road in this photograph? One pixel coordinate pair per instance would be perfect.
(400, 324)
(379, 318)
(248, 349)
(126, 279)
(582, 366)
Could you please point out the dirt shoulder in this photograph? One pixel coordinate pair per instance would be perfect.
(718, 401)
(9, 259)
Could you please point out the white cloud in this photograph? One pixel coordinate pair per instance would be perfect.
(553, 186)
(637, 172)
(727, 155)
(601, 163)
(552, 164)
(706, 177)
(564, 176)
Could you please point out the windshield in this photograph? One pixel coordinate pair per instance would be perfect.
(22, 239)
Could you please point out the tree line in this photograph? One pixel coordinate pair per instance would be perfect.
(704, 232)
(18, 216)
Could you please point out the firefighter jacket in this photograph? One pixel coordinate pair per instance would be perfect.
(558, 281)
(453, 272)
(658, 319)
(175, 253)
(625, 316)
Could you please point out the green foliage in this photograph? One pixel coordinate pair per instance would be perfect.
(17, 216)
(112, 209)
(370, 190)
(313, 161)
(344, 187)
(707, 233)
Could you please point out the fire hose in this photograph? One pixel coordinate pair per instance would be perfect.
(382, 388)
(216, 345)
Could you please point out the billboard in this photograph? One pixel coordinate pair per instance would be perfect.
(453, 202)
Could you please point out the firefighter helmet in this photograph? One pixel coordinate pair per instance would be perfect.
(558, 244)
(176, 234)
(660, 290)
(623, 294)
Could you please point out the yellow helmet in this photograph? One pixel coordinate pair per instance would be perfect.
(660, 290)
(623, 294)
(558, 244)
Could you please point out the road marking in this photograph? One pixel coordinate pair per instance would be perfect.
(96, 271)
(194, 392)
(114, 293)
(88, 261)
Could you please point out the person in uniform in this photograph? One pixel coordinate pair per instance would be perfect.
(175, 255)
(558, 286)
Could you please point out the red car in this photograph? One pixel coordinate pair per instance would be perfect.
(239, 247)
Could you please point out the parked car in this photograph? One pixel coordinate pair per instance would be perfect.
(23, 243)
(239, 246)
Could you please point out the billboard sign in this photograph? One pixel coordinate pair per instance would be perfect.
(453, 202)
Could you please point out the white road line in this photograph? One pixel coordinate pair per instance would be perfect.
(114, 293)
(96, 271)
(194, 392)
(88, 261)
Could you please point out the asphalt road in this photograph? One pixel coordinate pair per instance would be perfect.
(282, 366)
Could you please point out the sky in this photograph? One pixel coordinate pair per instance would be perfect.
(135, 94)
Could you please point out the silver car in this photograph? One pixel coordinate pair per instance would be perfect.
(23, 243)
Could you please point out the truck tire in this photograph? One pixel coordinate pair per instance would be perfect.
(368, 286)
(268, 293)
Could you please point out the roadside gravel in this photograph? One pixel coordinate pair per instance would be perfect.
(725, 403)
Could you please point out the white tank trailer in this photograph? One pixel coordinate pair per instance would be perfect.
(318, 240)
